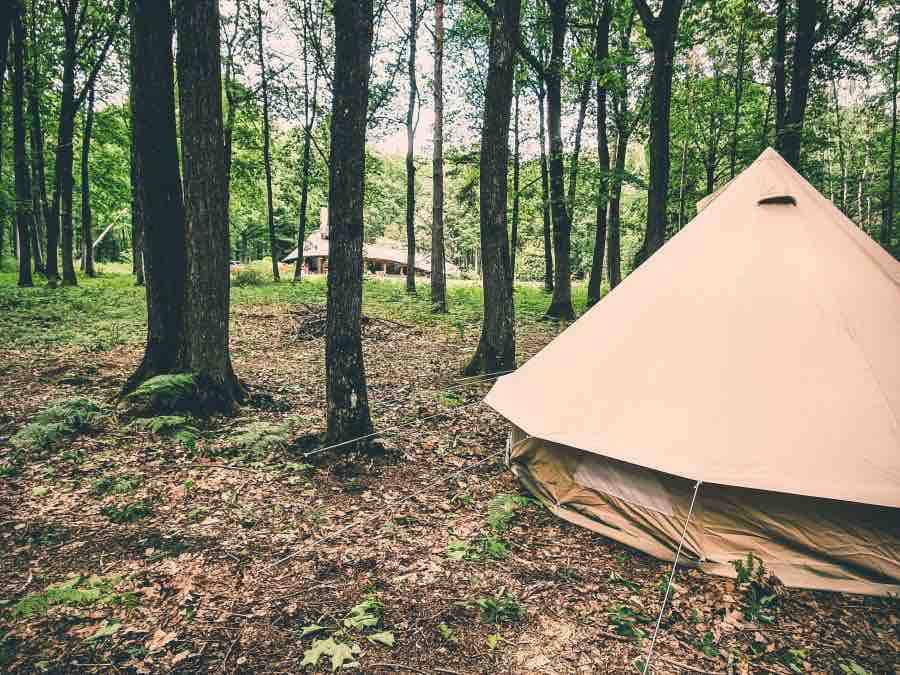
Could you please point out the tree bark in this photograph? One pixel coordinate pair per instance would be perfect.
(561, 301)
(267, 138)
(614, 255)
(87, 237)
(157, 187)
(800, 75)
(438, 265)
(601, 53)
(576, 148)
(887, 224)
(410, 156)
(7, 12)
(310, 112)
(545, 192)
(780, 67)
(662, 30)
(40, 206)
(347, 397)
(23, 184)
(497, 347)
(205, 349)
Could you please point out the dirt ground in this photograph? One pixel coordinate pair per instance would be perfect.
(236, 555)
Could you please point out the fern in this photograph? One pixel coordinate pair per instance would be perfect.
(75, 592)
(165, 392)
(179, 427)
(57, 423)
(502, 510)
(260, 439)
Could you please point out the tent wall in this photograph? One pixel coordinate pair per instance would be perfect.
(806, 542)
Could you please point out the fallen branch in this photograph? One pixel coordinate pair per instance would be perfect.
(690, 669)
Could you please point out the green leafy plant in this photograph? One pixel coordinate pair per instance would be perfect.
(363, 619)
(794, 658)
(708, 645)
(447, 634)
(247, 277)
(853, 668)
(501, 608)
(165, 393)
(126, 513)
(342, 655)
(616, 578)
(115, 485)
(57, 423)
(258, 440)
(75, 592)
(627, 621)
(366, 614)
(502, 511)
(180, 427)
(756, 586)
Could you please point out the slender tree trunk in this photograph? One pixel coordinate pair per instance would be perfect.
(583, 99)
(304, 203)
(438, 265)
(23, 185)
(601, 57)
(62, 196)
(310, 110)
(410, 156)
(40, 207)
(738, 89)
(267, 138)
(800, 76)
(7, 12)
(842, 154)
(887, 225)
(561, 302)
(780, 67)
(157, 194)
(497, 347)
(614, 256)
(87, 237)
(347, 396)
(514, 234)
(205, 350)
(137, 225)
(545, 193)
(662, 31)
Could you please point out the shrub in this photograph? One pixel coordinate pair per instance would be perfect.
(758, 588)
(501, 608)
(247, 277)
(57, 423)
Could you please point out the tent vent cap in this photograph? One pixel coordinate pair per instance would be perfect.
(778, 198)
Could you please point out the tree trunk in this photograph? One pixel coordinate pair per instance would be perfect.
(7, 11)
(137, 225)
(62, 196)
(514, 234)
(304, 203)
(576, 148)
(662, 31)
(157, 187)
(23, 185)
(267, 136)
(601, 56)
(614, 256)
(40, 206)
(410, 157)
(780, 67)
(310, 111)
(497, 347)
(887, 224)
(738, 88)
(205, 350)
(438, 265)
(561, 302)
(346, 392)
(545, 194)
(800, 76)
(87, 237)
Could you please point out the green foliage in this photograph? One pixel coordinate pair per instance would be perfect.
(179, 427)
(57, 423)
(258, 440)
(760, 598)
(708, 645)
(502, 511)
(627, 621)
(447, 634)
(793, 659)
(165, 393)
(78, 591)
(363, 619)
(501, 608)
(342, 654)
(366, 614)
(247, 277)
(110, 484)
(853, 668)
(127, 512)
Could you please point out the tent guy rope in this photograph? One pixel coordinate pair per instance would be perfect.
(662, 609)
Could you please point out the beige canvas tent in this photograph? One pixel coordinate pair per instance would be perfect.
(757, 352)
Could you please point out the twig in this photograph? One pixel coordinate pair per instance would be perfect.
(397, 666)
(688, 668)
(228, 653)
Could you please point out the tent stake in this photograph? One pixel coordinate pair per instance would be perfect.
(671, 579)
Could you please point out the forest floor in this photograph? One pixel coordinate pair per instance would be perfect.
(220, 546)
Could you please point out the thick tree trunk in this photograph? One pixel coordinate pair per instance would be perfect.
(205, 350)
(887, 224)
(267, 136)
(87, 236)
(347, 397)
(497, 347)
(23, 171)
(438, 266)
(561, 302)
(545, 193)
(410, 157)
(800, 76)
(514, 234)
(157, 195)
(662, 31)
(780, 75)
(601, 56)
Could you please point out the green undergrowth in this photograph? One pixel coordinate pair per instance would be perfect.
(110, 310)
(57, 424)
(79, 591)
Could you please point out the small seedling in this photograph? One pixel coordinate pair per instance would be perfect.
(501, 608)
(627, 621)
(759, 594)
(447, 634)
(126, 513)
(708, 645)
(794, 658)
(502, 510)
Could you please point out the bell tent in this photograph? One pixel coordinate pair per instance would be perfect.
(757, 355)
